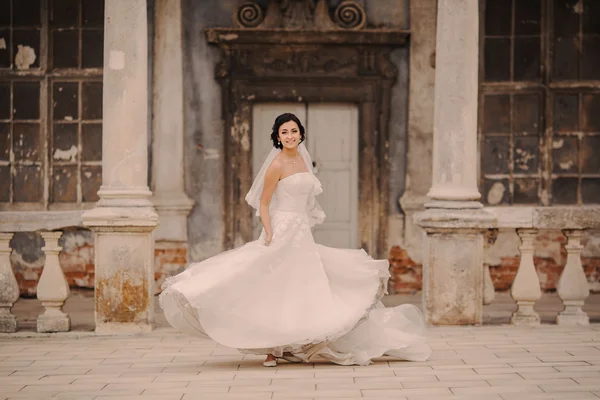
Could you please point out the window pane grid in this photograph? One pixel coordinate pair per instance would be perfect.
(568, 111)
(510, 142)
(76, 159)
(29, 132)
(512, 41)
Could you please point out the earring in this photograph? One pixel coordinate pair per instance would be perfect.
(279, 143)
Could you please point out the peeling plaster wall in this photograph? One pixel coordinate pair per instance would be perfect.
(204, 160)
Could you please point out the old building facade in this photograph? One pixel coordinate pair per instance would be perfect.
(139, 124)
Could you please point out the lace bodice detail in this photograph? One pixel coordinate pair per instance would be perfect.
(292, 192)
(296, 193)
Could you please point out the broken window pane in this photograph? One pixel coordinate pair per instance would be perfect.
(566, 17)
(590, 155)
(26, 100)
(527, 59)
(93, 49)
(566, 107)
(4, 184)
(26, 12)
(5, 58)
(26, 49)
(65, 13)
(496, 192)
(496, 155)
(496, 118)
(4, 101)
(64, 184)
(26, 142)
(526, 114)
(526, 154)
(590, 191)
(91, 138)
(526, 191)
(565, 156)
(92, 100)
(590, 59)
(591, 113)
(65, 45)
(65, 143)
(564, 190)
(28, 184)
(528, 16)
(4, 142)
(497, 59)
(93, 13)
(65, 101)
(91, 179)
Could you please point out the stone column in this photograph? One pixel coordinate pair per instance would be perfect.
(454, 220)
(420, 121)
(170, 200)
(9, 288)
(573, 287)
(124, 217)
(52, 289)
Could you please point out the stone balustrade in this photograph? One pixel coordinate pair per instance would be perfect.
(52, 288)
(573, 287)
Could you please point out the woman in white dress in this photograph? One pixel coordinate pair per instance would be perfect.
(285, 296)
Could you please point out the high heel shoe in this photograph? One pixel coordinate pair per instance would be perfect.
(270, 363)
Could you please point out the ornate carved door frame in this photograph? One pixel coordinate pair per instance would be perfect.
(335, 65)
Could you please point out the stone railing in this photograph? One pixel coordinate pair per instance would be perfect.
(572, 287)
(52, 288)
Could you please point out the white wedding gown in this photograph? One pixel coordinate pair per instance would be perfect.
(295, 295)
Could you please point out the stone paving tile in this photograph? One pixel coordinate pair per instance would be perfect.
(489, 362)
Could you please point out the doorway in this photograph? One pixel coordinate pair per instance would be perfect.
(332, 141)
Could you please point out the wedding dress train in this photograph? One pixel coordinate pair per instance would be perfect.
(295, 295)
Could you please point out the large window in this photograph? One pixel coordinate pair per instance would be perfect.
(50, 103)
(539, 124)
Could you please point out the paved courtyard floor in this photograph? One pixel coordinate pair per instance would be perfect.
(489, 362)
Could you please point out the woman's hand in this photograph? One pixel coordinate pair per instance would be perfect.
(268, 238)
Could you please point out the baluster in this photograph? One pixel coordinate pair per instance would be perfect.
(9, 288)
(573, 287)
(525, 289)
(52, 289)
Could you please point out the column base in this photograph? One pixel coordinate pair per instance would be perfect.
(525, 319)
(453, 265)
(8, 323)
(124, 266)
(54, 322)
(573, 315)
(172, 213)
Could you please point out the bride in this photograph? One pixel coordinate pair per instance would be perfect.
(285, 296)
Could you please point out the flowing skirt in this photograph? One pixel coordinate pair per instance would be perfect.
(295, 296)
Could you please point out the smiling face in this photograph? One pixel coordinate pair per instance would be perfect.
(289, 134)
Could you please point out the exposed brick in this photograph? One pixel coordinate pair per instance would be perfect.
(407, 275)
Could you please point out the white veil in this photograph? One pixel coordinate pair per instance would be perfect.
(314, 210)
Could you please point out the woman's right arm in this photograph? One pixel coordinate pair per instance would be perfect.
(272, 176)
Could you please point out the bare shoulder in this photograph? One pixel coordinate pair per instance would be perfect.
(274, 170)
(276, 166)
